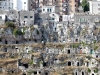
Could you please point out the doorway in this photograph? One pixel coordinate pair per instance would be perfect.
(5, 50)
(46, 73)
(6, 42)
(68, 51)
(44, 64)
(17, 42)
(35, 72)
(76, 40)
(25, 65)
(77, 63)
(82, 73)
(76, 73)
(69, 63)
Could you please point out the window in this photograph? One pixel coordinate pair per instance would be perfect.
(48, 10)
(0, 17)
(82, 20)
(43, 9)
(5, 4)
(12, 12)
(53, 14)
(96, 20)
(53, 19)
(25, 16)
(98, 8)
(24, 2)
(31, 16)
(85, 20)
(98, 4)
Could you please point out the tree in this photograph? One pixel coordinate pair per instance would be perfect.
(85, 5)
(17, 32)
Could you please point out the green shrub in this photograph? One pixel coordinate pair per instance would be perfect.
(17, 32)
(31, 62)
(96, 70)
(96, 47)
(89, 70)
(10, 24)
(88, 57)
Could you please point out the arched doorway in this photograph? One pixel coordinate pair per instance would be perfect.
(46, 73)
(76, 73)
(96, 56)
(82, 73)
(35, 72)
(69, 63)
(76, 40)
(23, 74)
(68, 51)
(64, 74)
(17, 42)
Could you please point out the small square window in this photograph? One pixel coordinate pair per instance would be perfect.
(24, 2)
(53, 19)
(25, 16)
(0, 17)
(98, 8)
(31, 16)
(98, 4)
